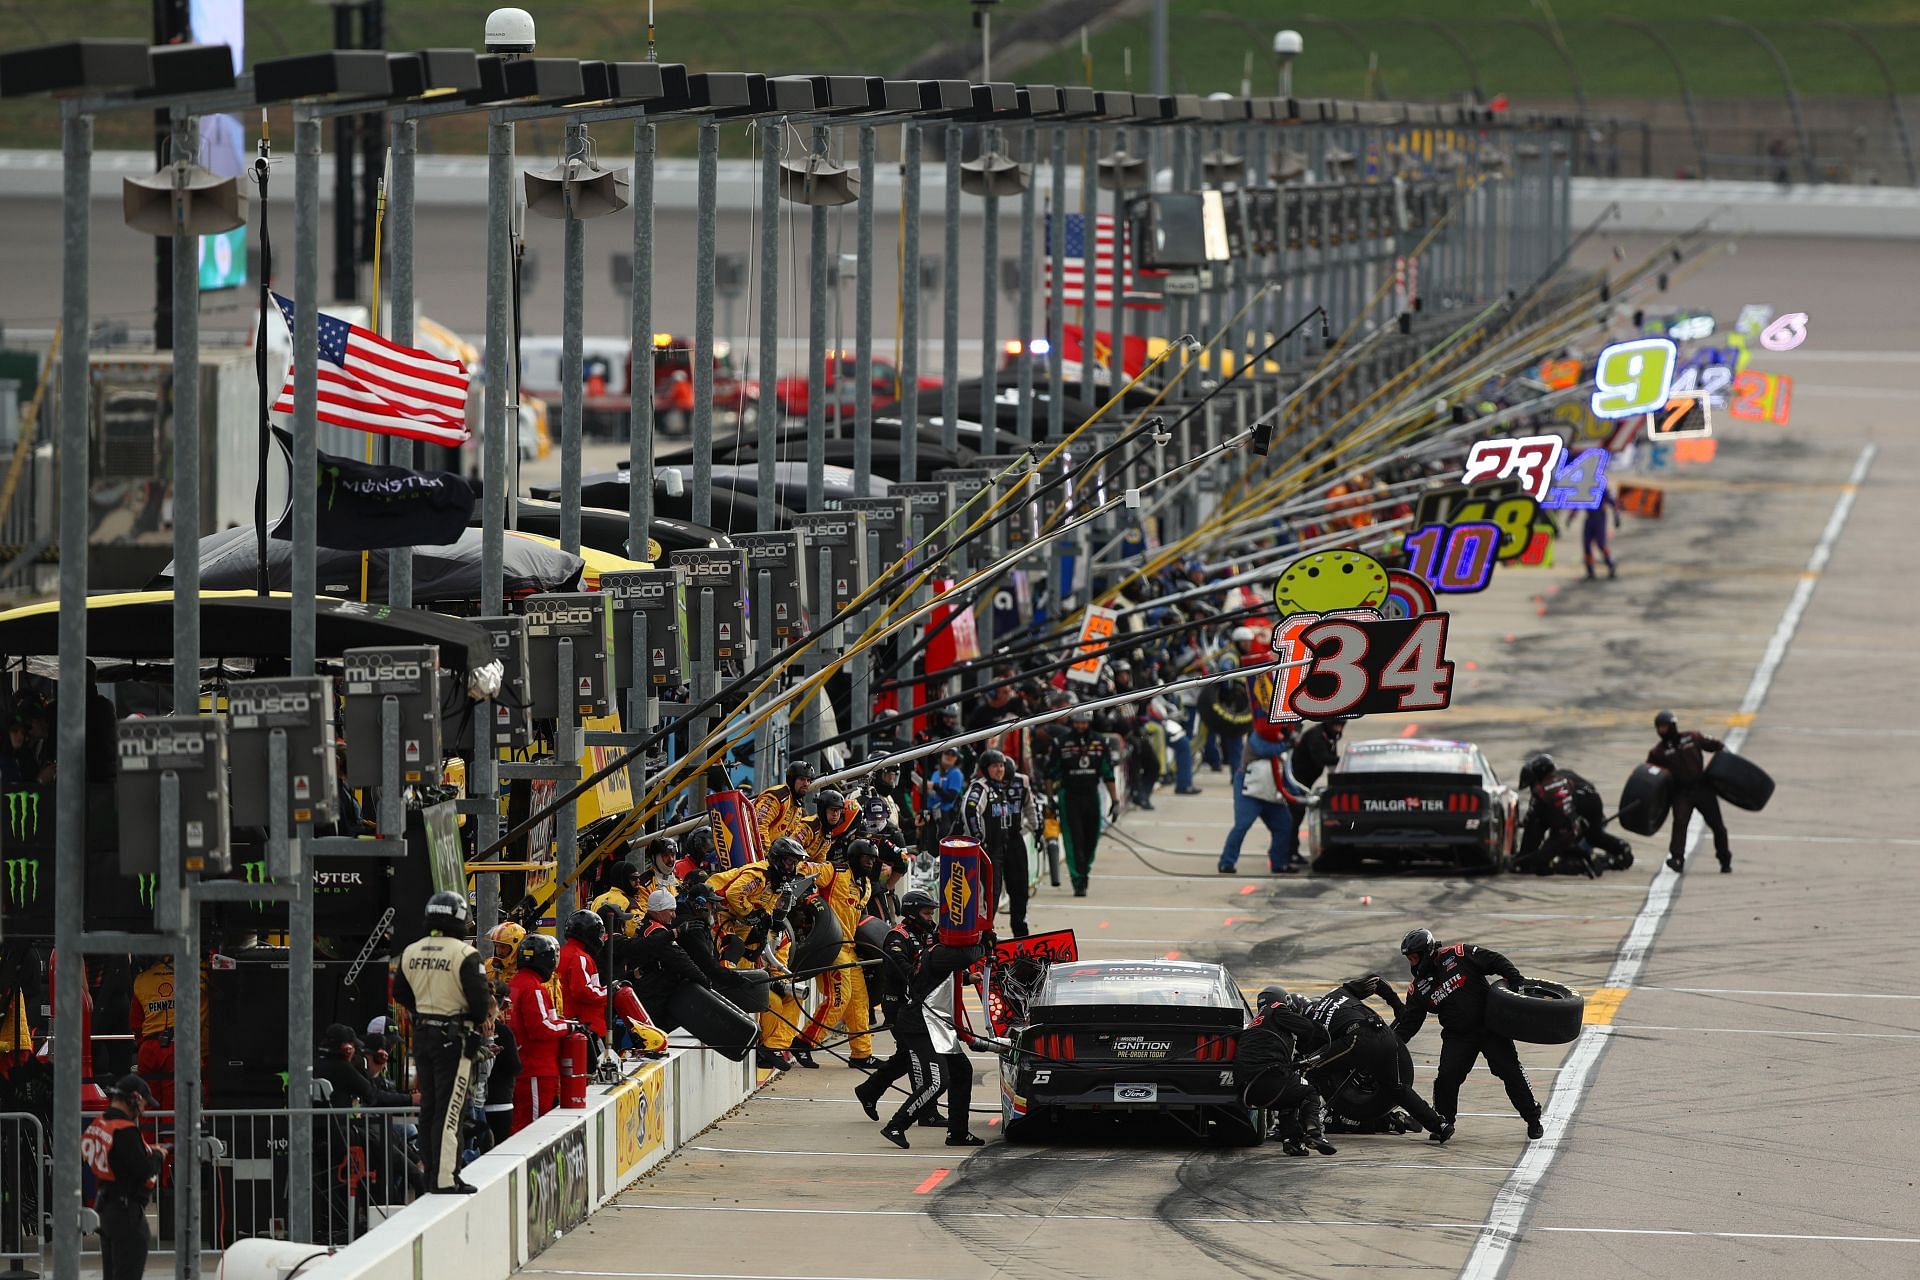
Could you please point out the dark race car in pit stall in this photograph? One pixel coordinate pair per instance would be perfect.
(1124, 1038)
(1412, 801)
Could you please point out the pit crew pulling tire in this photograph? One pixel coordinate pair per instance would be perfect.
(1646, 800)
(751, 993)
(1535, 1012)
(1739, 781)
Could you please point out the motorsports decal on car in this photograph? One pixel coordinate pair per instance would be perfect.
(1136, 1093)
(1412, 804)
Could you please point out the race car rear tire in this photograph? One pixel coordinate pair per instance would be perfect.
(1645, 800)
(1535, 1012)
(1739, 781)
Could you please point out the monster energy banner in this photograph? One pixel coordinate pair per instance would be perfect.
(558, 1196)
(23, 881)
(365, 506)
(23, 812)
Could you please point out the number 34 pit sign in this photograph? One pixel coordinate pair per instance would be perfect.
(1360, 664)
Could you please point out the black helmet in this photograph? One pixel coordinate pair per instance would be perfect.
(798, 769)
(786, 847)
(1663, 721)
(668, 846)
(1270, 996)
(699, 846)
(447, 912)
(858, 849)
(912, 903)
(829, 798)
(991, 757)
(624, 875)
(587, 928)
(540, 954)
(1536, 768)
(1419, 944)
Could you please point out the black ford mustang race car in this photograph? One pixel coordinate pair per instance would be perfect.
(1126, 1037)
(1412, 800)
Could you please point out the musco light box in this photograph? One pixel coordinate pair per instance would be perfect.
(301, 707)
(585, 618)
(511, 714)
(658, 594)
(195, 749)
(410, 673)
(725, 571)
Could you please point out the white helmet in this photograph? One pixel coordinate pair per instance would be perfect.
(1242, 635)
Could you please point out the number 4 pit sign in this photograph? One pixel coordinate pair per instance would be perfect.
(1361, 664)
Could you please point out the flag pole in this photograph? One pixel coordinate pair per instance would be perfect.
(379, 217)
(261, 166)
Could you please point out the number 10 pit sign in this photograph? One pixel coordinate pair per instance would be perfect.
(1360, 664)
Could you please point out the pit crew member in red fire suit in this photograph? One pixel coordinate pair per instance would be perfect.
(537, 1028)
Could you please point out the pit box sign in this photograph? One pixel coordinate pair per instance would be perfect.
(640, 1119)
(1095, 630)
(558, 1194)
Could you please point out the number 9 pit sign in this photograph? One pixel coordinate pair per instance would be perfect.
(1359, 663)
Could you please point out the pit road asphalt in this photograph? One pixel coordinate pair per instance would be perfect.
(1735, 1108)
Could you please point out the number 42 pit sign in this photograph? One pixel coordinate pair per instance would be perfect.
(1360, 664)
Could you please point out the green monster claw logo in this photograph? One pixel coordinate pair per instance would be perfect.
(23, 814)
(23, 880)
(147, 885)
(255, 873)
(330, 479)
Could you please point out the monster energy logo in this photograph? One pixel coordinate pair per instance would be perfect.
(146, 886)
(23, 814)
(255, 873)
(23, 880)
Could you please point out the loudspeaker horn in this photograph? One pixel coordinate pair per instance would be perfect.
(1220, 167)
(1121, 172)
(818, 181)
(1289, 166)
(579, 181)
(994, 174)
(212, 204)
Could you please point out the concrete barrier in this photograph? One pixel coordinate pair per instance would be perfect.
(547, 1179)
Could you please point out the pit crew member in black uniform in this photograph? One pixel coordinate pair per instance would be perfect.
(1268, 1073)
(1452, 981)
(1082, 764)
(1363, 1044)
(905, 944)
(994, 811)
(1682, 752)
(1565, 823)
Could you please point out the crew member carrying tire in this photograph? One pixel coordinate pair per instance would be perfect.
(1082, 765)
(748, 897)
(1364, 1048)
(1267, 1071)
(439, 980)
(1452, 982)
(1565, 823)
(1682, 752)
(847, 884)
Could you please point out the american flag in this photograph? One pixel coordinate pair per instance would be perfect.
(370, 384)
(1073, 273)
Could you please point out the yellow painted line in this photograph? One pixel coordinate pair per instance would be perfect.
(1603, 1004)
(1740, 719)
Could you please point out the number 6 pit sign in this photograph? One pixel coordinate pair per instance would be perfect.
(1361, 664)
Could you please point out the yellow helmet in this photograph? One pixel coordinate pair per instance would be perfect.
(505, 938)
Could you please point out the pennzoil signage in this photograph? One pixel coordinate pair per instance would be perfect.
(557, 1190)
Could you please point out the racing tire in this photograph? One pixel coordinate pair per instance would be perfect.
(1739, 781)
(1354, 1096)
(867, 939)
(820, 948)
(1053, 862)
(714, 1021)
(752, 993)
(1646, 800)
(1535, 1012)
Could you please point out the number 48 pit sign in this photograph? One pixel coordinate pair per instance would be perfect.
(1095, 630)
(1361, 664)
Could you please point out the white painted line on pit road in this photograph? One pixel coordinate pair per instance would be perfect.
(1730, 1235)
(1820, 995)
(698, 1275)
(1746, 1031)
(1908, 840)
(1494, 1249)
